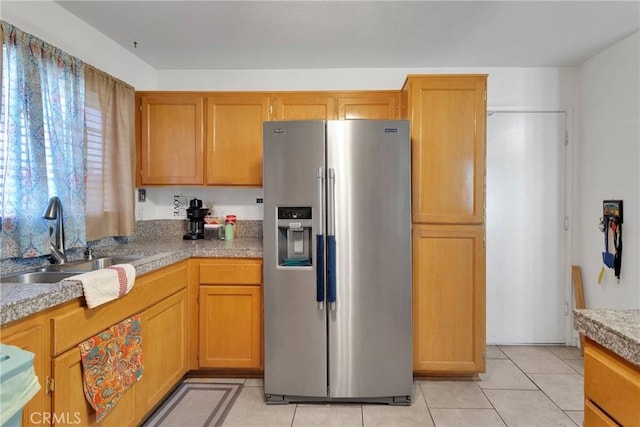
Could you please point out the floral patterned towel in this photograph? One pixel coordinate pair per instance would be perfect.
(112, 362)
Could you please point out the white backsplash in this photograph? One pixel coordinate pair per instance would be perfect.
(171, 202)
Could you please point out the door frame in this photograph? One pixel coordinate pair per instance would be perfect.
(570, 334)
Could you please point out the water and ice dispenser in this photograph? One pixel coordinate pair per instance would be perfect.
(294, 236)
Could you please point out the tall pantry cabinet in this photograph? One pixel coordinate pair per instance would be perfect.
(448, 121)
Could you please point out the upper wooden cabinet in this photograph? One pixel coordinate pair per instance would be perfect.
(382, 105)
(304, 106)
(215, 138)
(171, 139)
(234, 138)
(448, 118)
(377, 105)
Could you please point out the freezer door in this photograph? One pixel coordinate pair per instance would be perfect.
(295, 340)
(370, 350)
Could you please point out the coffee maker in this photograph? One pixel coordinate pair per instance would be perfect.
(195, 215)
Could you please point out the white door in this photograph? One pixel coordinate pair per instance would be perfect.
(525, 227)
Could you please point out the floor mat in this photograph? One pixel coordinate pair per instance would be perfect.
(196, 404)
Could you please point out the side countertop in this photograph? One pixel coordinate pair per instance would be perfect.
(19, 300)
(616, 330)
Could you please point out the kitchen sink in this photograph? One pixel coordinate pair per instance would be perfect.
(94, 264)
(55, 273)
(99, 263)
(38, 277)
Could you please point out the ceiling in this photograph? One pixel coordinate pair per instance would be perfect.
(360, 34)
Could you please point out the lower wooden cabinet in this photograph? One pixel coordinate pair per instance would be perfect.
(594, 417)
(70, 406)
(230, 312)
(32, 334)
(230, 327)
(164, 348)
(161, 299)
(611, 388)
(448, 299)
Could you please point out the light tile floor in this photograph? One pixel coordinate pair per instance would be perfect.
(531, 386)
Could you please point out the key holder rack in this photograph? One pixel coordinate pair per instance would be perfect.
(612, 210)
(611, 225)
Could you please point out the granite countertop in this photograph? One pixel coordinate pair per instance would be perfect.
(19, 300)
(616, 330)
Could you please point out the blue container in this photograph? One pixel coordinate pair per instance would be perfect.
(16, 382)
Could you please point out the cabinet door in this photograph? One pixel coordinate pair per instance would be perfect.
(31, 335)
(373, 106)
(70, 406)
(230, 327)
(234, 138)
(448, 116)
(302, 106)
(448, 299)
(172, 139)
(164, 350)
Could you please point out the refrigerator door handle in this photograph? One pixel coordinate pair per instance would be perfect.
(331, 271)
(331, 201)
(331, 239)
(320, 242)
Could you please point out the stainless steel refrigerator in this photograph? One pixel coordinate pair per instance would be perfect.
(337, 261)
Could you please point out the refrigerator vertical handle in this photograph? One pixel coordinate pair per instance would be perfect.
(331, 271)
(320, 242)
(320, 271)
(320, 195)
(331, 202)
(331, 239)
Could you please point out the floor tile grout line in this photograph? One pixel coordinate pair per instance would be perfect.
(547, 396)
(487, 397)
(538, 387)
(484, 391)
(546, 373)
(424, 398)
(494, 408)
(295, 409)
(578, 372)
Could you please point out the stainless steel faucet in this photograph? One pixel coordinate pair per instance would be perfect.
(54, 211)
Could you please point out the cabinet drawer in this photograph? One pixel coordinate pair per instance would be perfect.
(231, 272)
(79, 323)
(594, 417)
(613, 384)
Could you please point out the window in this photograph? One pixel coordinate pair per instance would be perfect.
(41, 143)
(67, 130)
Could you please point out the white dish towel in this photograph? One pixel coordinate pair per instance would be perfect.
(107, 284)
